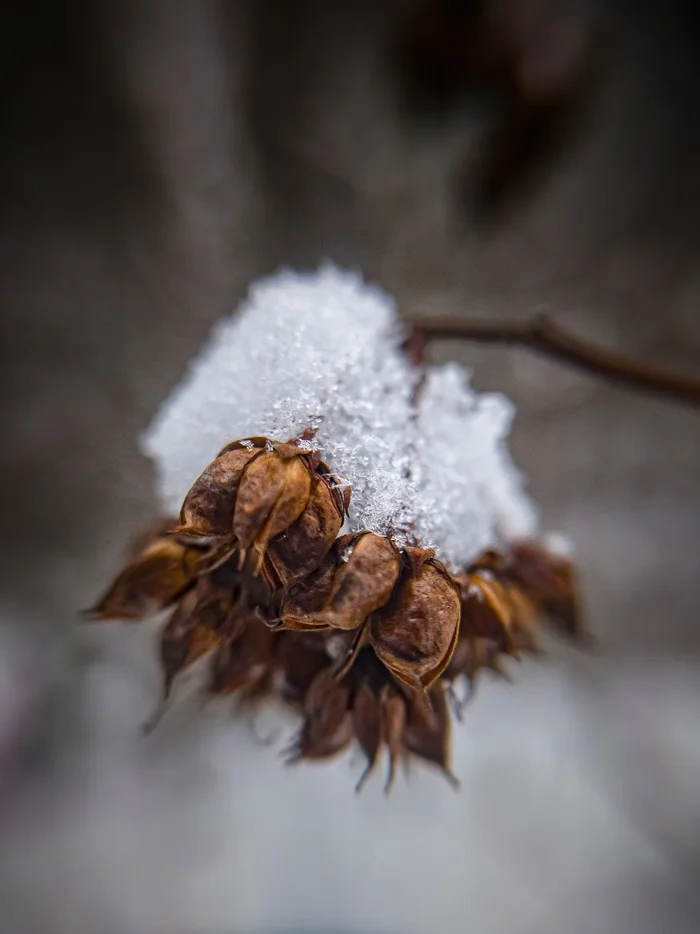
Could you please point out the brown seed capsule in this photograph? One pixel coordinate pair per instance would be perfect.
(367, 720)
(207, 512)
(393, 727)
(240, 664)
(273, 492)
(184, 640)
(158, 575)
(427, 731)
(415, 635)
(486, 609)
(367, 571)
(300, 657)
(301, 548)
(371, 679)
(221, 596)
(549, 580)
(328, 725)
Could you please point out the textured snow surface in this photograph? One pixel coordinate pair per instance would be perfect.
(323, 350)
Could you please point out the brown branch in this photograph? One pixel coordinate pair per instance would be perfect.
(545, 337)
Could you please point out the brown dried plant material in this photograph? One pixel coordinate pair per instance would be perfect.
(299, 550)
(550, 581)
(506, 595)
(207, 512)
(361, 638)
(299, 657)
(393, 725)
(184, 640)
(367, 571)
(162, 570)
(328, 725)
(259, 493)
(415, 635)
(242, 663)
(274, 490)
(487, 611)
(427, 731)
(223, 599)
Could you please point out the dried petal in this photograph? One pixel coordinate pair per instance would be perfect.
(300, 658)
(242, 663)
(219, 597)
(393, 726)
(379, 713)
(427, 732)
(328, 727)
(416, 634)
(487, 610)
(367, 718)
(550, 581)
(274, 490)
(184, 640)
(363, 582)
(302, 547)
(162, 571)
(207, 511)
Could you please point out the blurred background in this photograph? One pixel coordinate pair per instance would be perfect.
(485, 158)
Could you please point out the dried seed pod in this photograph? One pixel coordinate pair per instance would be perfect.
(524, 619)
(274, 490)
(550, 581)
(207, 511)
(184, 640)
(367, 720)
(299, 550)
(300, 657)
(241, 664)
(393, 726)
(221, 602)
(328, 725)
(427, 731)
(311, 594)
(486, 609)
(416, 633)
(472, 655)
(367, 571)
(157, 576)
(371, 679)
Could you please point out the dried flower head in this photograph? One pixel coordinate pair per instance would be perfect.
(358, 619)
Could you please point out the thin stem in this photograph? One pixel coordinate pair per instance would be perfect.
(545, 337)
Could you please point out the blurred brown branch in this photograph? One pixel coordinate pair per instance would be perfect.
(546, 337)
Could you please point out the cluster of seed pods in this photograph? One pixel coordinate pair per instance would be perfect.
(362, 637)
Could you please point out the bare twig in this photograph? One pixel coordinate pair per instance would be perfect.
(545, 337)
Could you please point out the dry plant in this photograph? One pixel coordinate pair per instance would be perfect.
(358, 569)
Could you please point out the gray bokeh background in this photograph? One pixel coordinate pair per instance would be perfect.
(156, 157)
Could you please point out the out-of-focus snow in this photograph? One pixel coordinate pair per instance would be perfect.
(323, 350)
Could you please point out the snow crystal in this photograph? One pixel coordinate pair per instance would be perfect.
(323, 351)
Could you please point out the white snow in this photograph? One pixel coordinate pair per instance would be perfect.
(323, 350)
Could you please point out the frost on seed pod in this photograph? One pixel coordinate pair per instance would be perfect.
(367, 569)
(161, 570)
(416, 633)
